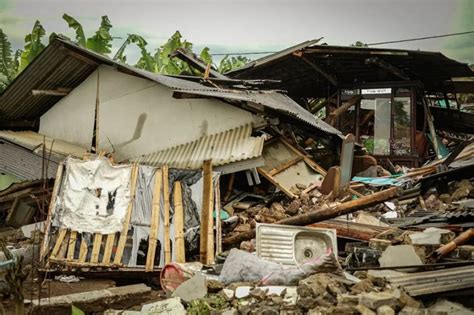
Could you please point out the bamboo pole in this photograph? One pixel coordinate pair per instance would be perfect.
(166, 216)
(178, 223)
(155, 222)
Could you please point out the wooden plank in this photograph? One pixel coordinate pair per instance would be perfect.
(96, 247)
(72, 245)
(59, 242)
(277, 184)
(155, 222)
(286, 165)
(179, 223)
(206, 249)
(83, 250)
(47, 226)
(123, 236)
(109, 245)
(166, 216)
(217, 207)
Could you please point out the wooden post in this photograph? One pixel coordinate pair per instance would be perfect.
(217, 207)
(109, 245)
(83, 250)
(124, 234)
(155, 222)
(207, 232)
(52, 203)
(166, 216)
(96, 247)
(178, 223)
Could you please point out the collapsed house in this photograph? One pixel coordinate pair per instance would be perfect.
(392, 100)
(132, 172)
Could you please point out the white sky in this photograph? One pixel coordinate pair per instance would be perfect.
(257, 25)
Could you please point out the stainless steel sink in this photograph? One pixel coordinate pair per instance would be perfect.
(291, 245)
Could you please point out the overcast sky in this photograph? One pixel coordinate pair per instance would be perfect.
(257, 25)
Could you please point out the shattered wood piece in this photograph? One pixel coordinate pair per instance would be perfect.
(109, 245)
(341, 109)
(166, 217)
(179, 223)
(321, 214)
(351, 230)
(96, 247)
(59, 242)
(286, 165)
(331, 181)
(124, 234)
(155, 221)
(72, 245)
(52, 203)
(277, 184)
(318, 215)
(83, 250)
(206, 238)
(446, 249)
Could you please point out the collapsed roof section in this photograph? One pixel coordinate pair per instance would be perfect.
(63, 65)
(311, 70)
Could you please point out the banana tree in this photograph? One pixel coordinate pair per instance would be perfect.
(228, 64)
(33, 45)
(100, 42)
(146, 60)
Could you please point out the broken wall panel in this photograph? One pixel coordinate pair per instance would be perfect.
(285, 166)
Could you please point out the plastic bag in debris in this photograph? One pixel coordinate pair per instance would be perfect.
(241, 266)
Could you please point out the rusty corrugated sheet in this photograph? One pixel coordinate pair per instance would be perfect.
(23, 163)
(223, 148)
(34, 142)
(430, 282)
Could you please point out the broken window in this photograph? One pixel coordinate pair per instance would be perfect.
(374, 125)
(401, 126)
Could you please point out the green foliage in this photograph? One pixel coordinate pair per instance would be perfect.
(76, 310)
(228, 64)
(33, 45)
(7, 68)
(101, 42)
(74, 24)
(359, 44)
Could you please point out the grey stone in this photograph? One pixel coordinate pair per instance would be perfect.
(364, 310)
(399, 255)
(192, 289)
(385, 310)
(430, 236)
(374, 300)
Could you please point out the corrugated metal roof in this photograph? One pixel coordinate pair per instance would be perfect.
(430, 282)
(349, 66)
(64, 64)
(271, 99)
(223, 148)
(23, 163)
(34, 141)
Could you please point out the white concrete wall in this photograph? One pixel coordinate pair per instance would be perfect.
(136, 116)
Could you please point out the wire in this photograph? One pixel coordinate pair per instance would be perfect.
(420, 38)
(373, 44)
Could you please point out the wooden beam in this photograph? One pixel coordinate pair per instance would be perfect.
(83, 250)
(326, 75)
(155, 221)
(56, 92)
(124, 234)
(385, 65)
(286, 165)
(178, 223)
(109, 245)
(166, 216)
(72, 245)
(320, 214)
(59, 242)
(331, 118)
(206, 249)
(96, 248)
